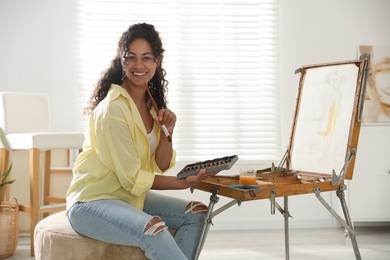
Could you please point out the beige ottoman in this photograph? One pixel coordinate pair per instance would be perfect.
(55, 240)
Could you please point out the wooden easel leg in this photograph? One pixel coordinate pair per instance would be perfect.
(208, 221)
(341, 195)
(46, 180)
(347, 224)
(34, 154)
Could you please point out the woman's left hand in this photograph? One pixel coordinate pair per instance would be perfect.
(194, 179)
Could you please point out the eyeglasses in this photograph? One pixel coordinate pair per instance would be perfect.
(133, 59)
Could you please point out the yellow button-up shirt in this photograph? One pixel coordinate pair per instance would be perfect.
(116, 161)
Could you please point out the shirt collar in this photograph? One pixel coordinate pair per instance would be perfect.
(117, 90)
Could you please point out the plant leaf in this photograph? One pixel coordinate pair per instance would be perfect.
(8, 182)
(4, 176)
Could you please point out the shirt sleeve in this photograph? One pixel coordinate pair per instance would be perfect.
(118, 151)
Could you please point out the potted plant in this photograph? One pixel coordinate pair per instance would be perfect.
(9, 212)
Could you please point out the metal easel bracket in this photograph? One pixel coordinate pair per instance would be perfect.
(347, 223)
(282, 162)
(274, 168)
(275, 204)
(317, 192)
(225, 207)
(366, 57)
(336, 179)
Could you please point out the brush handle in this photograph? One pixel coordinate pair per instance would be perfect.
(164, 128)
(167, 135)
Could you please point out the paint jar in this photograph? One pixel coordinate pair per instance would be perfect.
(247, 176)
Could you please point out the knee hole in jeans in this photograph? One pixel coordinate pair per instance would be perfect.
(155, 226)
(196, 207)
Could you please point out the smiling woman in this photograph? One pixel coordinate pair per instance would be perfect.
(222, 59)
(125, 155)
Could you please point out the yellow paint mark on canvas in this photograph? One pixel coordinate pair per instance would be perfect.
(331, 121)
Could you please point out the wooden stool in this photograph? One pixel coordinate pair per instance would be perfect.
(26, 121)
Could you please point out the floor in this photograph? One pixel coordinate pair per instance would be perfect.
(305, 244)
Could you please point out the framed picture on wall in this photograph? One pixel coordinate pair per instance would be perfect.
(377, 98)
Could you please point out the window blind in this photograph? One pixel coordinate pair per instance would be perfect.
(221, 60)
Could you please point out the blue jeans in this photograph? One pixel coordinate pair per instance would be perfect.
(117, 222)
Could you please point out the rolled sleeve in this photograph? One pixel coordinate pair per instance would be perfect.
(143, 183)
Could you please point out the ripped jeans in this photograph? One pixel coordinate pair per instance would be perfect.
(117, 222)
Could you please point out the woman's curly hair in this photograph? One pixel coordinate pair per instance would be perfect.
(114, 74)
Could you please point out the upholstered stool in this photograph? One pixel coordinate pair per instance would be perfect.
(55, 239)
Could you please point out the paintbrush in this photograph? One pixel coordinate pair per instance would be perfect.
(164, 128)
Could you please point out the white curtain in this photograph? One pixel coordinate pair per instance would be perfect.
(222, 66)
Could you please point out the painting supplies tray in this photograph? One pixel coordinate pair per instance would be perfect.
(281, 183)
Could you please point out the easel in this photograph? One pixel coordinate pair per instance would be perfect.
(306, 166)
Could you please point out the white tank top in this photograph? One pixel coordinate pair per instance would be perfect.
(152, 138)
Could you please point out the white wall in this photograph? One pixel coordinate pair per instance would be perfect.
(37, 49)
(317, 31)
(37, 53)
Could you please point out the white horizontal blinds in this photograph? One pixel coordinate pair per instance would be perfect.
(224, 88)
(221, 60)
(100, 24)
